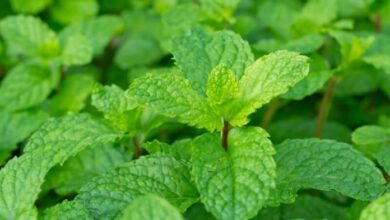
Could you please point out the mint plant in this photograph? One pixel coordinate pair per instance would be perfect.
(194, 109)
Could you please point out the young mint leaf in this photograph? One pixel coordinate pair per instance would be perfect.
(52, 144)
(77, 50)
(65, 12)
(269, 76)
(222, 90)
(234, 184)
(107, 195)
(67, 210)
(98, 30)
(172, 95)
(29, 36)
(29, 7)
(198, 52)
(151, 207)
(324, 165)
(78, 170)
(219, 9)
(27, 85)
(377, 209)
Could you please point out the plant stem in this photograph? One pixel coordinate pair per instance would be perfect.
(324, 107)
(137, 147)
(377, 23)
(225, 133)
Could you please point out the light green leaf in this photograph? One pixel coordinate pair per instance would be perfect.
(139, 50)
(380, 61)
(369, 135)
(319, 11)
(222, 90)
(69, 11)
(29, 7)
(98, 30)
(352, 47)
(198, 52)
(77, 51)
(107, 195)
(378, 209)
(172, 95)
(15, 127)
(324, 165)
(151, 207)
(27, 85)
(78, 170)
(268, 77)
(234, 184)
(67, 210)
(27, 35)
(52, 144)
(354, 8)
(73, 93)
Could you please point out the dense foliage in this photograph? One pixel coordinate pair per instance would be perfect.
(203, 109)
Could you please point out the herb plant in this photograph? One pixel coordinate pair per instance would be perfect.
(178, 109)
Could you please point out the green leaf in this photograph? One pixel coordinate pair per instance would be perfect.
(107, 195)
(132, 52)
(15, 127)
(380, 61)
(172, 95)
(78, 170)
(198, 52)
(27, 85)
(370, 135)
(151, 207)
(66, 211)
(324, 165)
(278, 24)
(319, 11)
(29, 7)
(234, 184)
(27, 35)
(73, 93)
(382, 156)
(268, 77)
(52, 144)
(69, 11)
(352, 47)
(378, 209)
(77, 51)
(98, 30)
(222, 90)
